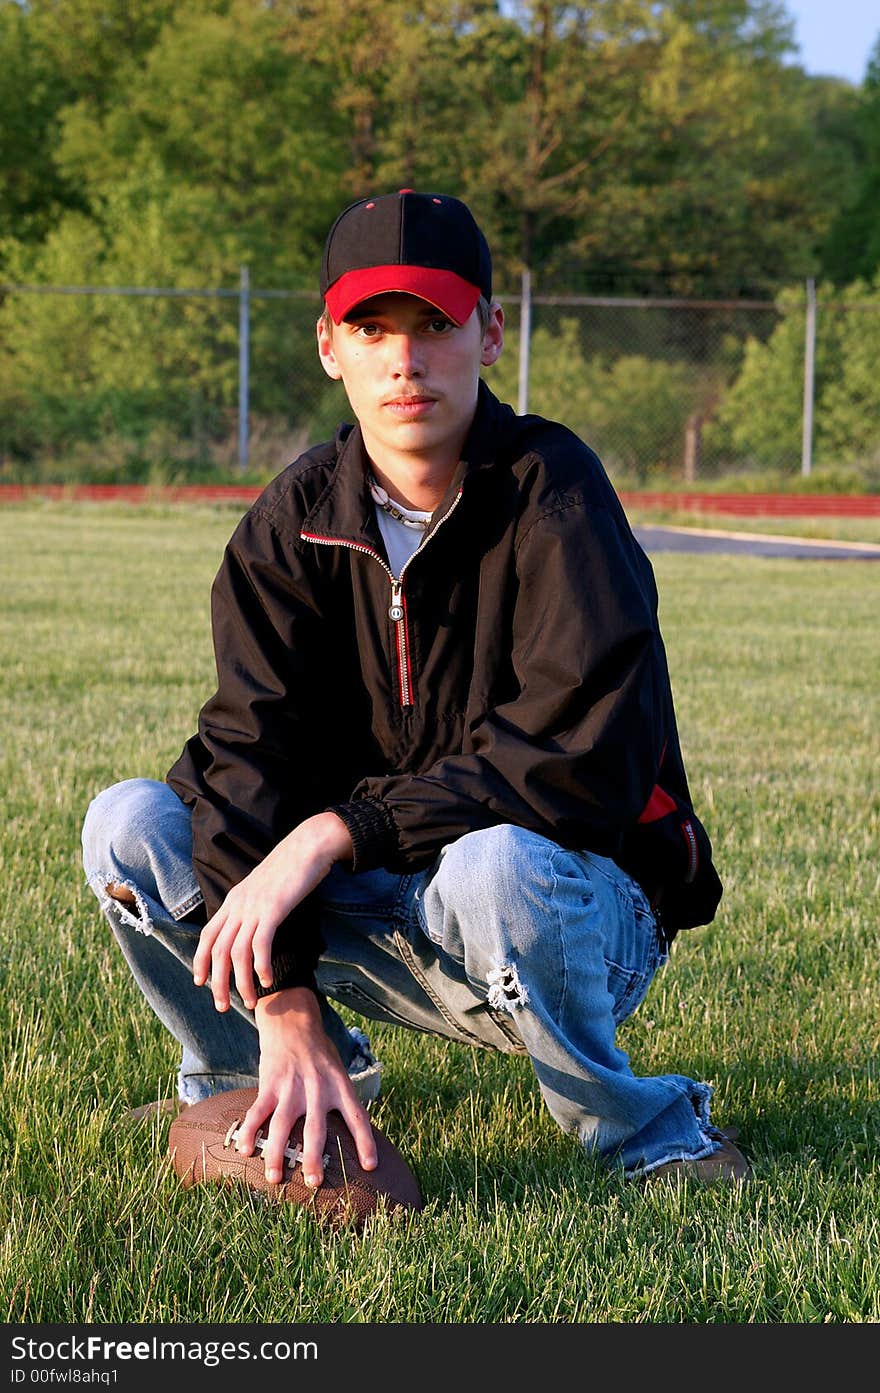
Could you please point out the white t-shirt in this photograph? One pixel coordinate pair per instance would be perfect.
(400, 540)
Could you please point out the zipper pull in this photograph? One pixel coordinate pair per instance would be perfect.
(395, 610)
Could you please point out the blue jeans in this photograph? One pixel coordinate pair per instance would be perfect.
(507, 941)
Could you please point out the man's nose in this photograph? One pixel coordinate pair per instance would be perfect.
(407, 358)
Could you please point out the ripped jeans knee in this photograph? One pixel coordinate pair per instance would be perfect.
(137, 853)
(506, 991)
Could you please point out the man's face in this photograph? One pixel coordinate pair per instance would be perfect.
(410, 374)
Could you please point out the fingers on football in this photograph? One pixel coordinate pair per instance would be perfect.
(358, 1123)
(277, 1139)
(254, 1118)
(314, 1137)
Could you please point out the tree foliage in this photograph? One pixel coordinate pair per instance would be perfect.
(760, 419)
(627, 146)
(630, 409)
(629, 143)
(852, 249)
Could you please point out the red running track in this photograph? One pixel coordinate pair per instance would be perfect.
(132, 493)
(741, 504)
(755, 505)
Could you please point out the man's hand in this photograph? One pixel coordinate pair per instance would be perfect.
(301, 1074)
(239, 936)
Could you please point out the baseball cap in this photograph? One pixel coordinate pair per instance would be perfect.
(424, 244)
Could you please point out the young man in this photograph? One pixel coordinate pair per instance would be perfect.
(440, 780)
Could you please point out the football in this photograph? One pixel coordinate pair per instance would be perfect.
(202, 1146)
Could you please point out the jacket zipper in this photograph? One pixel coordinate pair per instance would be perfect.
(693, 851)
(397, 612)
(397, 608)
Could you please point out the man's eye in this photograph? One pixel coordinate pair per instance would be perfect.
(439, 326)
(367, 330)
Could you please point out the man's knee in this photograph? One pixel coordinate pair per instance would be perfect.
(117, 822)
(487, 904)
(132, 829)
(137, 850)
(493, 891)
(497, 862)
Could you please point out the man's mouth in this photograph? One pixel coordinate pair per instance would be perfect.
(410, 404)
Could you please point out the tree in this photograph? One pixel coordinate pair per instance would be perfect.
(98, 44)
(760, 420)
(33, 92)
(849, 421)
(629, 146)
(758, 423)
(645, 147)
(630, 409)
(717, 195)
(217, 127)
(853, 246)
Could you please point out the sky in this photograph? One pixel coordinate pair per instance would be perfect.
(835, 37)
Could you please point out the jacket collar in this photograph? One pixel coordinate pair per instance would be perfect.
(345, 513)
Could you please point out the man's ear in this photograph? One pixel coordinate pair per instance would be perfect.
(493, 339)
(325, 351)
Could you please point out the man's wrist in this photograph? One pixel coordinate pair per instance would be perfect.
(328, 836)
(371, 830)
(290, 1002)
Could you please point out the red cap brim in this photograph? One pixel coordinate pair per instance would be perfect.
(447, 292)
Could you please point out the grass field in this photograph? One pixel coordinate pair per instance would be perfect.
(104, 660)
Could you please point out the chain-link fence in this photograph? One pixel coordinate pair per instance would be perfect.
(148, 383)
(639, 380)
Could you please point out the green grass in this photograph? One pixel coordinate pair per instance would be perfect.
(104, 660)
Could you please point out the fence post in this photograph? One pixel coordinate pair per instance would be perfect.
(244, 304)
(809, 378)
(525, 335)
(693, 429)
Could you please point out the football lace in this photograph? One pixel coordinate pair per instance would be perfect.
(291, 1153)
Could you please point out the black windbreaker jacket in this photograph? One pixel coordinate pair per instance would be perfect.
(514, 672)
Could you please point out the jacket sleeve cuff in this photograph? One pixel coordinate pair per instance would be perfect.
(296, 949)
(287, 971)
(372, 830)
